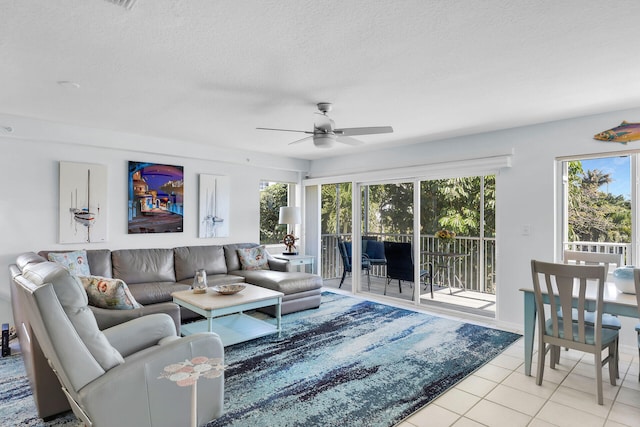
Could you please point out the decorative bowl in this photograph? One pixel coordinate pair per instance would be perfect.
(623, 279)
(231, 289)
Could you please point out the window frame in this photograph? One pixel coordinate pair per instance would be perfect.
(562, 200)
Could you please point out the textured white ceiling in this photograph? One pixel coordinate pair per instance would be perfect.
(211, 71)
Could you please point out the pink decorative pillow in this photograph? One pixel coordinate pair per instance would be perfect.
(253, 258)
(108, 293)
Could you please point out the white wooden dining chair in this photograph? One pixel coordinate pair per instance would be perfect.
(558, 281)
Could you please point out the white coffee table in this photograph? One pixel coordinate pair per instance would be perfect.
(224, 314)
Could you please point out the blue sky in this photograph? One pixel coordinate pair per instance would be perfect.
(620, 170)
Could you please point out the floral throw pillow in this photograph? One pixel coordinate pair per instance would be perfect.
(75, 262)
(253, 258)
(108, 293)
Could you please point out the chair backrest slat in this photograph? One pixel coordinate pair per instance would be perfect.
(611, 261)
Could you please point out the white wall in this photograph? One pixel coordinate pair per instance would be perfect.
(29, 164)
(525, 193)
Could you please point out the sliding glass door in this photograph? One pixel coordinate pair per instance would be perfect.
(458, 232)
(405, 235)
(386, 239)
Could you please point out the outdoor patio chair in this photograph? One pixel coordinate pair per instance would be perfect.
(558, 282)
(374, 251)
(345, 254)
(400, 264)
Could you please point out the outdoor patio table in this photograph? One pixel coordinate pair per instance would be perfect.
(445, 261)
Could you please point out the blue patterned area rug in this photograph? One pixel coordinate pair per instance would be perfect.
(16, 403)
(352, 363)
(349, 363)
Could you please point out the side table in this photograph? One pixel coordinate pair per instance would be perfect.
(299, 260)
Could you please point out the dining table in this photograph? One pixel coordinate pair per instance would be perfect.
(615, 302)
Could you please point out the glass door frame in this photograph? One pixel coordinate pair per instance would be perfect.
(491, 165)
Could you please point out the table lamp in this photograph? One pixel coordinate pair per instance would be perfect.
(290, 215)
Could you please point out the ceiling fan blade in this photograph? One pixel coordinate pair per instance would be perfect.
(287, 130)
(349, 141)
(301, 140)
(363, 131)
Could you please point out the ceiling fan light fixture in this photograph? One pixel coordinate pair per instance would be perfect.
(324, 140)
(325, 133)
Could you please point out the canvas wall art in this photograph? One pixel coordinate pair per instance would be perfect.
(155, 198)
(214, 206)
(83, 203)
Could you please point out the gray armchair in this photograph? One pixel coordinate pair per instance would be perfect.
(118, 376)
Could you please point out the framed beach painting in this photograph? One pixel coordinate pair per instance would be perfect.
(83, 203)
(156, 194)
(214, 206)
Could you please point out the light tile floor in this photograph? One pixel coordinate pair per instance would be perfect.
(499, 394)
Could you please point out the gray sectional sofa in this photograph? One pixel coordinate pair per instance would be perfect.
(152, 275)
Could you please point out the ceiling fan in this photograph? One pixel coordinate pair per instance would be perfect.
(325, 133)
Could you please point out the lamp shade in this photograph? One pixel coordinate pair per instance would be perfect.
(290, 215)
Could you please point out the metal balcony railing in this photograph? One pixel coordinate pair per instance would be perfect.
(474, 272)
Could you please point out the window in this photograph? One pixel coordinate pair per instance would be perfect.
(597, 205)
(273, 195)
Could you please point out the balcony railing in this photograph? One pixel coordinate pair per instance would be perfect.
(602, 247)
(475, 272)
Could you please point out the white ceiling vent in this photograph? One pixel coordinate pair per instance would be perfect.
(127, 4)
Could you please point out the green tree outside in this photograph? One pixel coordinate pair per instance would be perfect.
(271, 198)
(452, 203)
(595, 215)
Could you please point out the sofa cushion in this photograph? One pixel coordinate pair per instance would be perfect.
(143, 266)
(188, 259)
(76, 261)
(286, 282)
(104, 292)
(253, 258)
(155, 292)
(100, 262)
(74, 301)
(231, 254)
(216, 279)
